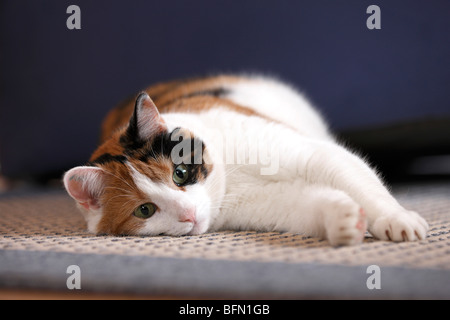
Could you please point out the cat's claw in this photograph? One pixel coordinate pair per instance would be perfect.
(402, 226)
(346, 224)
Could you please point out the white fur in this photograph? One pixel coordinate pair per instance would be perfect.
(319, 187)
(280, 102)
(172, 206)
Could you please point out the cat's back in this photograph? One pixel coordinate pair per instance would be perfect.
(249, 95)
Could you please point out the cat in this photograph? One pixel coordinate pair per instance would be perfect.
(231, 152)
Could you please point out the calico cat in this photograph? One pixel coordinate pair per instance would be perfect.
(235, 153)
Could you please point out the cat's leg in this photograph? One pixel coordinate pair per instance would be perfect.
(329, 164)
(295, 206)
(289, 155)
(329, 214)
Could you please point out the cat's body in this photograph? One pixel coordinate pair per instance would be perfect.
(257, 157)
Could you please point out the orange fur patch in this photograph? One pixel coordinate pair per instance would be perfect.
(121, 196)
(178, 96)
(119, 199)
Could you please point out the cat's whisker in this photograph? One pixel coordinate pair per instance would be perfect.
(121, 179)
(120, 195)
(121, 189)
(126, 203)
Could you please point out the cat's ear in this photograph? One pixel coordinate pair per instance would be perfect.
(85, 185)
(146, 120)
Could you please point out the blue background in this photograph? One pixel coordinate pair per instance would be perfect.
(57, 84)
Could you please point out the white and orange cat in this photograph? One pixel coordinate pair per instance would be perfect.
(231, 153)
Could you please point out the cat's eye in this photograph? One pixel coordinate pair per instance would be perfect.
(180, 174)
(145, 211)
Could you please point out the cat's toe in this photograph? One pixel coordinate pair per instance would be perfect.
(403, 226)
(346, 225)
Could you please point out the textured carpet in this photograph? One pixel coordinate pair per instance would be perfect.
(41, 234)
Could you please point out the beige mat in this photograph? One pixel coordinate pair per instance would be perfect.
(50, 222)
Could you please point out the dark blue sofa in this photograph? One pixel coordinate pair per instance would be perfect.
(386, 91)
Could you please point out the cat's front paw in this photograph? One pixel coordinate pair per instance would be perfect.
(345, 223)
(402, 226)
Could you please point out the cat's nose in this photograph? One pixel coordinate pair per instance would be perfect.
(188, 215)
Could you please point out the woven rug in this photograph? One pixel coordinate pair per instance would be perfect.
(42, 233)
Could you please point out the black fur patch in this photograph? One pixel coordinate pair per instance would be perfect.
(216, 92)
(162, 145)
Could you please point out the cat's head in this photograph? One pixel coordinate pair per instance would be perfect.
(149, 178)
